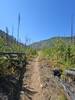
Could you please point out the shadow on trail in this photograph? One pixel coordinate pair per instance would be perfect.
(11, 86)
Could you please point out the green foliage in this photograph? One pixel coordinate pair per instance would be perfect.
(60, 54)
(9, 44)
(30, 53)
(62, 97)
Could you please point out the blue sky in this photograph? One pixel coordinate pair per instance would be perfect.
(40, 19)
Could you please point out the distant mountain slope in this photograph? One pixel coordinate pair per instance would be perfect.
(49, 42)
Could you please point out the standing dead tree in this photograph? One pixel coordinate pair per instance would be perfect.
(6, 36)
(18, 30)
(72, 29)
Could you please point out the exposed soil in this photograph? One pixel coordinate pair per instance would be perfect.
(36, 81)
(40, 82)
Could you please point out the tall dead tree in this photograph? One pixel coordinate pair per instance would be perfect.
(72, 29)
(6, 36)
(18, 27)
(18, 30)
(12, 30)
(12, 35)
(12, 39)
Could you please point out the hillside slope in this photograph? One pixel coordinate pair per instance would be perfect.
(49, 42)
(9, 43)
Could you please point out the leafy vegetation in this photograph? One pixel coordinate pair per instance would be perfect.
(10, 44)
(61, 54)
(13, 65)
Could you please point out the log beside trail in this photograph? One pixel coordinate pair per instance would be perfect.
(11, 82)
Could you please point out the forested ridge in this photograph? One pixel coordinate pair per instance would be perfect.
(48, 43)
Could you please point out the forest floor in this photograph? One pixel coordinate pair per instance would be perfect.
(39, 80)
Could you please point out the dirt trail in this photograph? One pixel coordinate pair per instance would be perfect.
(36, 81)
(39, 79)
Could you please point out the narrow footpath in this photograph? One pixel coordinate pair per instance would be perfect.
(40, 83)
(36, 81)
